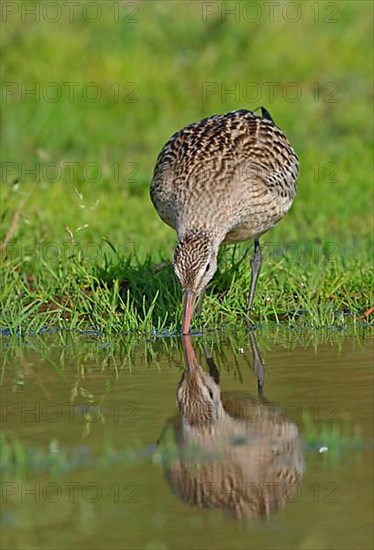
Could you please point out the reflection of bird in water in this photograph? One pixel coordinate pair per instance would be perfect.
(235, 452)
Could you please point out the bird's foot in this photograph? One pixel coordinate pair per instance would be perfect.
(248, 319)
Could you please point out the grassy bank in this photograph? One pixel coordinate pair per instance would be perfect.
(86, 248)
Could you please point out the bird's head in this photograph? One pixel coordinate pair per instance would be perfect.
(198, 395)
(195, 263)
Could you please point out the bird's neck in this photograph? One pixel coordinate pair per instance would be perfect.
(206, 434)
(199, 234)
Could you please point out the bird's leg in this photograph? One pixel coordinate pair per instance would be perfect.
(200, 302)
(256, 266)
(258, 365)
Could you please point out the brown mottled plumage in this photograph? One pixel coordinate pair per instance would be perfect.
(234, 452)
(224, 179)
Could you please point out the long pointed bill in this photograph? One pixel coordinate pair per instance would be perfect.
(189, 302)
(189, 353)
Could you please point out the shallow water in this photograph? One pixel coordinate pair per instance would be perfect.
(71, 398)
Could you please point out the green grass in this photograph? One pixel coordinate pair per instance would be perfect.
(85, 247)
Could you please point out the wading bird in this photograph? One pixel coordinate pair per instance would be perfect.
(222, 180)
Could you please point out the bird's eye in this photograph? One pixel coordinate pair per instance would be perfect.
(207, 268)
(210, 393)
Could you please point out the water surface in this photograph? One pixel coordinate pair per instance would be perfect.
(97, 411)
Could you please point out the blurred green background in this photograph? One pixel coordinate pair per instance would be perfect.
(113, 80)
